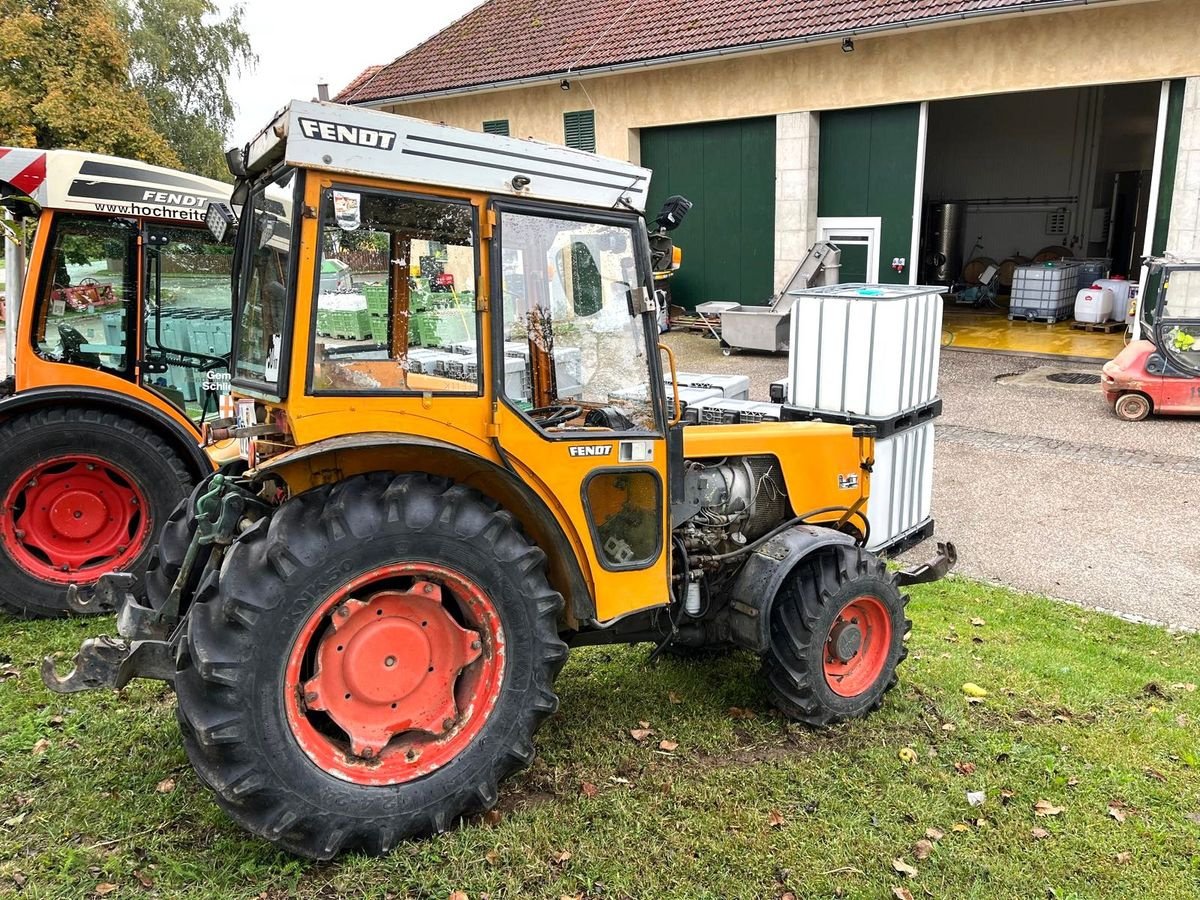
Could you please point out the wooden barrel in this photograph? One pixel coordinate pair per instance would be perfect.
(975, 268)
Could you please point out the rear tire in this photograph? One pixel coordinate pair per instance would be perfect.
(1132, 407)
(837, 636)
(99, 482)
(260, 700)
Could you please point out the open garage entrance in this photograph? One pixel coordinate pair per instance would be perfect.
(1015, 180)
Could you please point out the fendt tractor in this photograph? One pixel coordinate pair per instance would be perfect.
(121, 351)
(365, 627)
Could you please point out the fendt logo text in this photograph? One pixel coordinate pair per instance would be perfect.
(347, 134)
(591, 450)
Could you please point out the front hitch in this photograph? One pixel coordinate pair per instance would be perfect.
(105, 662)
(934, 569)
(107, 596)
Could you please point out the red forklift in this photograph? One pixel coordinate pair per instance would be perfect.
(1159, 371)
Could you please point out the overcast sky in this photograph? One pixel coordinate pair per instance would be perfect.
(303, 42)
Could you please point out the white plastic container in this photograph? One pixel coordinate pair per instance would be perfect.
(865, 349)
(1121, 289)
(732, 387)
(1094, 304)
(901, 499)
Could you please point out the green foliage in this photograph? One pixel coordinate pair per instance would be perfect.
(182, 53)
(65, 82)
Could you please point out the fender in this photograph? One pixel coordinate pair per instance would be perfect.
(757, 584)
(185, 442)
(469, 469)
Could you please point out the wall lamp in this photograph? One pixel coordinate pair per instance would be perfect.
(564, 85)
(847, 46)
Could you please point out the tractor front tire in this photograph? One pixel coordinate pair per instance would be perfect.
(368, 664)
(837, 636)
(84, 493)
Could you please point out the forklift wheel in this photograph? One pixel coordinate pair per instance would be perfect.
(1132, 407)
(837, 635)
(726, 351)
(368, 664)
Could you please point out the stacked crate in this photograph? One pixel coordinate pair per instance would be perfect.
(1045, 292)
(377, 311)
(868, 355)
(343, 316)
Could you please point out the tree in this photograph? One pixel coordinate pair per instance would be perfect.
(183, 52)
(64, 82)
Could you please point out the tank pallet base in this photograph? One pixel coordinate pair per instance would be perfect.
(1099, 327)
(907, 541)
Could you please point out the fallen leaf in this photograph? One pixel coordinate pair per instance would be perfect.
(960, 826)
(643, 724)
(1117, 811)
(165, 786)
(1156, 775)
(964, 768)
(934, 834)
(588, 789)
(459, 895)
(1005, 796)
(1038, 833)
(1124, 858)
(787, 895)
(492, 817)
(908, 755)
(775, 819)
(56, 721)
(1046, 808)
(949, 726)
(673, 697)
(639, 734)
(904, 868)
(977, 622)
(617, 779)
(18, 878)
(143, 879)
(737, 712)
(668, 746)
(104, 888)
(902, 893)
(1072, 782)
(971, 689)
(40, 747)
(492, 857)
(922, 849)
(976, 798)
(15, 820)
(561, 857)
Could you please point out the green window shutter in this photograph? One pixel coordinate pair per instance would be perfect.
(496, 126)
(579, 129)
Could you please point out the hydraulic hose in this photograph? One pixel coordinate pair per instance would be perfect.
(784, 526)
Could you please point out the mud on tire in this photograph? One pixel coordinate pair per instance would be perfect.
(806, 677)
(247, 622)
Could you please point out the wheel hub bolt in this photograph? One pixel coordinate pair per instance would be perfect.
(390, 661)
(447, 723)
(428, 588)
(476, 645)
(845, 639)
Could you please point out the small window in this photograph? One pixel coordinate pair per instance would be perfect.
(395, 303)
(91, 286)
(496, 126)
(625, 511)
(579, 130)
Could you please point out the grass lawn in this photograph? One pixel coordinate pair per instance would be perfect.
(1097, 717)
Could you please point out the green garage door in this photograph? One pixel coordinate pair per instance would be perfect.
(727, 169)
(869, 168)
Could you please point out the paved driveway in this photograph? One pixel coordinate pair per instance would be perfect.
(1042, 489)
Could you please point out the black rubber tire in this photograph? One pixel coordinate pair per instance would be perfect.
(246, 618)
(159, 472)
(1132, 407)
(166, 559)
(801, 619)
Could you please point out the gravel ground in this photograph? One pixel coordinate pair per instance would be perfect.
(1041, 488)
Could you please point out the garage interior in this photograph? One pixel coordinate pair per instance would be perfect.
(1016, 178)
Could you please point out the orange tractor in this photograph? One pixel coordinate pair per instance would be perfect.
(121, 350)
(364, 628)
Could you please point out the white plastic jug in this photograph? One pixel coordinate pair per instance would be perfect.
(1094, 304)
(1120, 288)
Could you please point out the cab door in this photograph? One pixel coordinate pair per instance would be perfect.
(579, 390)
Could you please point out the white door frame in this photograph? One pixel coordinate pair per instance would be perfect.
(1156, 173)
(914, 253)
(861, 230)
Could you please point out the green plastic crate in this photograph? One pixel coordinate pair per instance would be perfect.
(377, 299)
(379, 329)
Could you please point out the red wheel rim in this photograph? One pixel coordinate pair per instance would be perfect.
(73, 518)
(857, 646)
(395, 674)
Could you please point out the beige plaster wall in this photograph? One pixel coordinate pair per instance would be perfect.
(1113, 42)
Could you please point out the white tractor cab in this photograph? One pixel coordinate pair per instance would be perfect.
(119, 335)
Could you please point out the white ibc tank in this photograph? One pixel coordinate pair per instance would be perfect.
(1094, 304)
(901, 497)
(1122, 291)
(865, 349)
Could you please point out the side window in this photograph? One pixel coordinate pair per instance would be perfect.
(188, 322)
(395, 304)
(625, 511)
(90, 288)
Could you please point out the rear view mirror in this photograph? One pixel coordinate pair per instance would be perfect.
(672, 213)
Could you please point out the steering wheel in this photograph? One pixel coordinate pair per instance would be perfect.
(547, 416)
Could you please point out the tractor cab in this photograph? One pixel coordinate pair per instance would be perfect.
(464, 458)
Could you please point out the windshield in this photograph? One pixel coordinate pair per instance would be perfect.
(265, 281)
(566, 289)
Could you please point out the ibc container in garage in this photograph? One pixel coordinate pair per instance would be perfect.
(865, 349)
